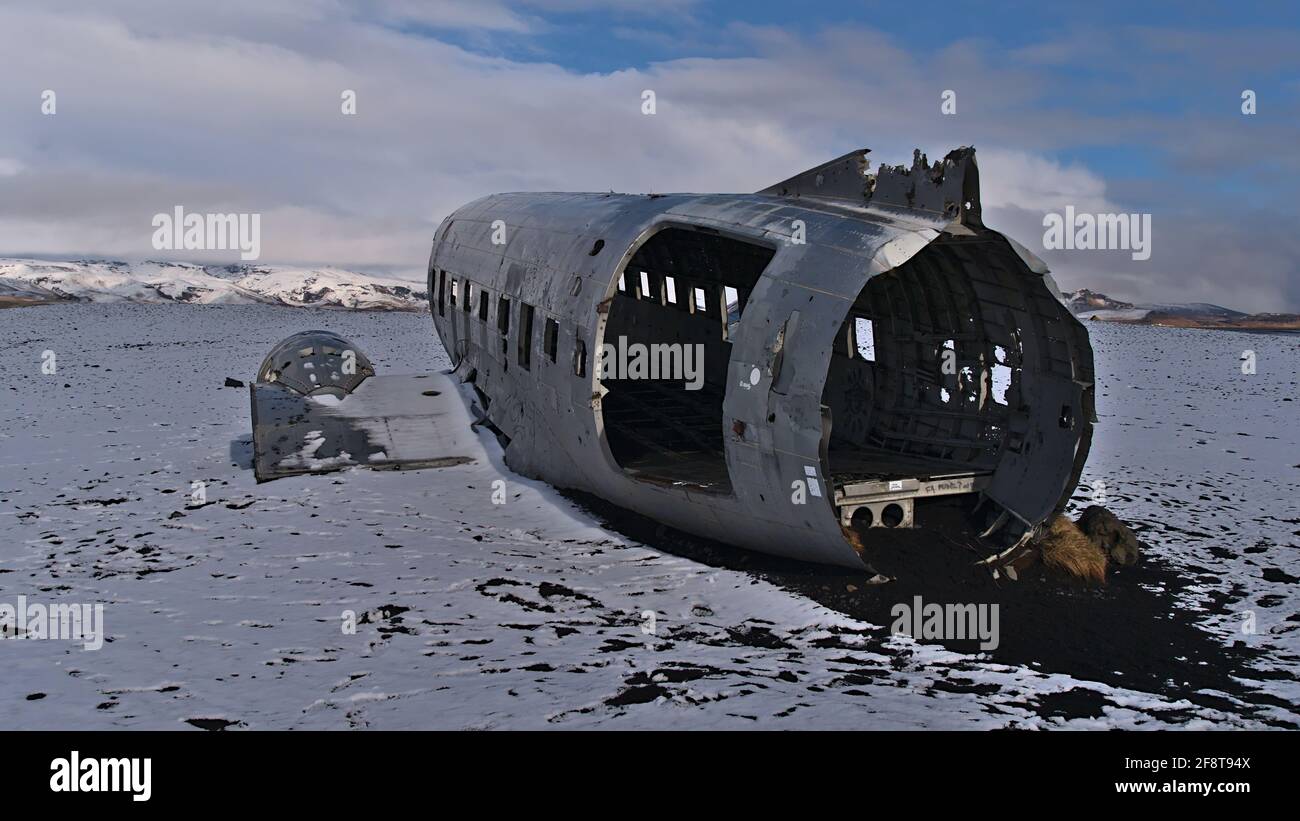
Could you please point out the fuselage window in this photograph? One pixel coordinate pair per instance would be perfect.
(503, 315)
(442, 293)
(525, 335)
(865, 338)
(731, 300)
(550, 338)
(844, 341)
(483, 297)
(503, 327)
(579, 358)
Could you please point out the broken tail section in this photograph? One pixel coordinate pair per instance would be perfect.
(947, 191)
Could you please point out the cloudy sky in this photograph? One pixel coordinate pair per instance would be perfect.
(235, 106)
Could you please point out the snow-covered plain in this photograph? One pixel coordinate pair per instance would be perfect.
(529, 614)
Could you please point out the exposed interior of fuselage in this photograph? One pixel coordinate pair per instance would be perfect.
(922, 396)
(683, 287)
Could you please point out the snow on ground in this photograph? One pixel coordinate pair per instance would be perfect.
(1115, 314)
(150, 282)
(1206, 460)
(526, 614)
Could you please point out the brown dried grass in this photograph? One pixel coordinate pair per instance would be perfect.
(1063, 547)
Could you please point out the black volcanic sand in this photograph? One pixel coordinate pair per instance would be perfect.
(1129, 633)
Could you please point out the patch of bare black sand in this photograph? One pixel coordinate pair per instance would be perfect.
(1129, 633)
(212, 724)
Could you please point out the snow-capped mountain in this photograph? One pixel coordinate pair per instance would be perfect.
(1087, 304)
(114, 281)
(1084, 301)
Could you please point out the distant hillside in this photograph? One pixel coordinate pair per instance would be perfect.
(1090, 305)
(29, 281)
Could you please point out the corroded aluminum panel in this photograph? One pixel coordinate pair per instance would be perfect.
(386, 423)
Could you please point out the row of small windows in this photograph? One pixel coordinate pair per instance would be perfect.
(858, 338)
(453, 291)
(702, 299)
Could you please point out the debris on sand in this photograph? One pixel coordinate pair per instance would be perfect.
(233, 383)
(1064, 547)
(1111, 535)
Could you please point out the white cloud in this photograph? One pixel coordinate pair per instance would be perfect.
(454, 14)
(1018, 179)
(235, 107)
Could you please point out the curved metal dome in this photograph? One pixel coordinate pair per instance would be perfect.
(315, 362)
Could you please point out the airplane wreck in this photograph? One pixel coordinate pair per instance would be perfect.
(870, 354)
